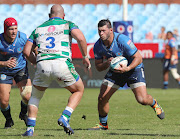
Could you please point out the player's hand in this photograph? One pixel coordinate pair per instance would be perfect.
(87, 63)
(109, 60)
(11, 63)
(123, 68)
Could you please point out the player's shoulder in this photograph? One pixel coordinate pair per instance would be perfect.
(97, 44)
(22, 36)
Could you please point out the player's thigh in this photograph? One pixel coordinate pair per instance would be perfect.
(76, 87)
(140, 92)
(106, 92)
(5, 92)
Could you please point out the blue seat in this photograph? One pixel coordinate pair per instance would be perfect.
(101, 8)
(162, 7)
(67, 8)
(28, 8)
(138, 7)
(16, 8)
(4, 8)
(41, 8)
(113, 7)
(89, 8)
(77, 8)
(150, 7)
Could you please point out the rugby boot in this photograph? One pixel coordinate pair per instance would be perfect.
(99, 127)
(65, 124)
(159, 111)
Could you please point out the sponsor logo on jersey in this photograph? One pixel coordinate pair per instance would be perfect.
(51, 29)
(49, 51)
(3, 53)
(52, 33)
(3, 76)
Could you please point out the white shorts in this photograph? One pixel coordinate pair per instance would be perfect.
(60, 70)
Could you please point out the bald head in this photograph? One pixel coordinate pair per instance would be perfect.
(57, 11)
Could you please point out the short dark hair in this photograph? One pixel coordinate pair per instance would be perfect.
(170, 32)
(104, 22)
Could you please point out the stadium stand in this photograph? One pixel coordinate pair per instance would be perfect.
(145, 17)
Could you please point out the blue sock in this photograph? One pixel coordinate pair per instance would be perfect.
(103, 120)
(154, 102)
(67, 112)
(31, 122)
(165, 84)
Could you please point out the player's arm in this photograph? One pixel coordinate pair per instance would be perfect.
(79, 37)
(28, 52)
(101, 64)
(137, 59)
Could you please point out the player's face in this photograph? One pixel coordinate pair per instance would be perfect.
(169, 36)
(104, 32)
(11, 32)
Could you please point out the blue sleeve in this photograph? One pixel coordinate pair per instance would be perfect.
(96, 51)
(172, 43)
(129, 47)
(23, 37)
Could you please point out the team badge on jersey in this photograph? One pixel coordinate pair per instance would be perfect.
(3, 76)
(19, 50)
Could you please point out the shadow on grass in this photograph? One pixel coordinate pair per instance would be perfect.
(136, 134)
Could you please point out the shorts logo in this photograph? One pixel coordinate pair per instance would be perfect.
(51, 29)
(3, 76)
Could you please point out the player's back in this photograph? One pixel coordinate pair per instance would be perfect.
(53, 39)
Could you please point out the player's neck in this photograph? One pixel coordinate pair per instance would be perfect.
(8, 39)
(109, 41)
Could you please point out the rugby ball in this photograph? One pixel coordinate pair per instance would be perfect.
(115, 63)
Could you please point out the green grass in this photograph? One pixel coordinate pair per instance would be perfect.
(127, 118)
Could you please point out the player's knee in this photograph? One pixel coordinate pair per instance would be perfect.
(4, 102)
(102, 100)
(174, 73)
(35, 97)
(26, 93)
(142, 100)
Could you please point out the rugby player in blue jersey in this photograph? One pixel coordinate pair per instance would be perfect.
(13, 65)
(110, 45)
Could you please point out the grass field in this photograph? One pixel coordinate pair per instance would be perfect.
(127, 118)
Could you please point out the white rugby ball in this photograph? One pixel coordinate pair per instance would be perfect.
(115, 63)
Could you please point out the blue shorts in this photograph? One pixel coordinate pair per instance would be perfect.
(18, 76)
(131, 77)
(167, 64)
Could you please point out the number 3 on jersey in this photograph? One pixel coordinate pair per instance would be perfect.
(52, 39)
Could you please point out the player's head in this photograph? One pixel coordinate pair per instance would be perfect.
(10, 27)
(57, 11)
(162, 29)
(169, 35)
(105, 29)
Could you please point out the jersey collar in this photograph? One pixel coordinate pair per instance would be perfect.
(55, 18)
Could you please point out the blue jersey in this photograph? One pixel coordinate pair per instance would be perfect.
(121, 46)
(14, 50)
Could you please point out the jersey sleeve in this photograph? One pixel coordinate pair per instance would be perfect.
(32, 37)
(72, 26)
(172, 43)
(97, 55)
(128, 46)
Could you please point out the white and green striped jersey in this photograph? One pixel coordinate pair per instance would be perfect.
(53, 39)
